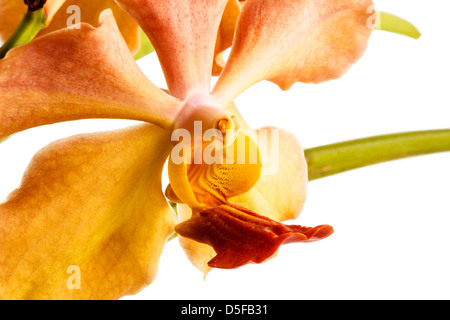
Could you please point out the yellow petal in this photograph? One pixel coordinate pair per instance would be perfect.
(75, 74)
(89, 220)
(286, 41)
(199, 254)
(89, 12)
(226, 34)
(210, 181)
(280, 193)
(184, 35)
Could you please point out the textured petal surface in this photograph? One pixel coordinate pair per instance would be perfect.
(93, 203)
(240, 236)
(184, 35)
(77, 74)
(226, 34)
(286, 41)
(235, 172)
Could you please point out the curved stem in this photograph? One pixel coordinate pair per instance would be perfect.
(31, 23)
(392, 23)
(340, 157)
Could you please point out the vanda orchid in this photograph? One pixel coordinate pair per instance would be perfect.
(94, 203)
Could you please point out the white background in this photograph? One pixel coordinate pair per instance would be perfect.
(391, 220)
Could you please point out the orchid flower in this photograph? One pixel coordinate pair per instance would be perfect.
(95, 201)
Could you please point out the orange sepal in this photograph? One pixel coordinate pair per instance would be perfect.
(226, 34)
(288, 41)
(184, 35)
(90, 73)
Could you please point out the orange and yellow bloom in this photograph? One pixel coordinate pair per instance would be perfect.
(96, 201)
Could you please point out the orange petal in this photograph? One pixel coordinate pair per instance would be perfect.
(89, 13)
(226, 34)
(90, 208)
(209, 181)
(77, 74)
(286, 41)
(12, 11)
(240, 236)
(184, 35)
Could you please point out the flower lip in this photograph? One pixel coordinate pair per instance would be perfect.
(240, 236)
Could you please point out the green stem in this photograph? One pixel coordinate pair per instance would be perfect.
(340, 157)
(32, 22)
(391, 23)
(146, 46)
